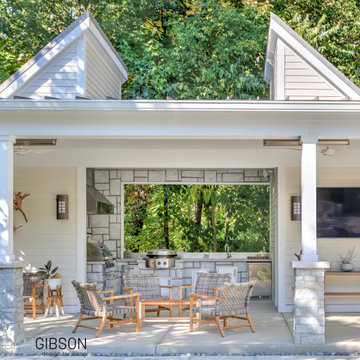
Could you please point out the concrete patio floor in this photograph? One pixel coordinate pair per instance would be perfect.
(273, 336)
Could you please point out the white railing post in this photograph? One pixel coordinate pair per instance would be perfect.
(308, 199)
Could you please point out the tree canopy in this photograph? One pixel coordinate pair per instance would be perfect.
(187, 49)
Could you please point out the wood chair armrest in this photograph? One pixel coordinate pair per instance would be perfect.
(121, 297)
(38, 286)
(111, 292)
(183, 287)
(108, 291)
(34, 287)
(131, 290)
(166, 286)
(192, 295)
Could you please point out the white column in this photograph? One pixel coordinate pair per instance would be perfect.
(6, 199)
(308, 199)
(81, 224)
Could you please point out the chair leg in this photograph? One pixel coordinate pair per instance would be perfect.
(217, 319)
(138, 322)
(42, 306)
(250, 322)
(111, 319)
(34, 308)
(47, 308)
(158, 311)
(180, 310)
(225, 321)
(198, 319)
(191, 321)
(78, 323)
(101, 326)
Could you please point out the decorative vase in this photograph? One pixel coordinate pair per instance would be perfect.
(347, 267)
(53, 283)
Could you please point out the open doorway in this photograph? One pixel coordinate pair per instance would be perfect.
(196, 218)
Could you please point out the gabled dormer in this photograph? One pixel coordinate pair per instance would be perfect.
(296, 71)
(79, 62)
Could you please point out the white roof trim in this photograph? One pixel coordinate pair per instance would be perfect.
(279, 29)
(82, 25)
(287, 106)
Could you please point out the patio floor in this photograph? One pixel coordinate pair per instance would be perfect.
(273, 336)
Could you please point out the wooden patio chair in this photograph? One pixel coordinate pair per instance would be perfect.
(232, 302)
(206, 284)
(148, 285)
(94, 305)
(34, 284)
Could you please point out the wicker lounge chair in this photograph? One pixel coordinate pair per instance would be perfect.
(34, 284)
(94, 305)
(148, 285)
(232, 302)
(206, 284)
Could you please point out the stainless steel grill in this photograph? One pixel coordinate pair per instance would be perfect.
(160, 259)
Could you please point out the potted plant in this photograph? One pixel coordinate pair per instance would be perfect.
(346, 264)
(52, 276)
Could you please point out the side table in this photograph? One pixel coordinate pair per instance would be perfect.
(54, 297)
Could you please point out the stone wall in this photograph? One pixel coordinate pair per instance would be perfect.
(309, 303)
(107, 228)
(11, 307)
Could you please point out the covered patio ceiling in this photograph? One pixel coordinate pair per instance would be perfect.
(159, 153)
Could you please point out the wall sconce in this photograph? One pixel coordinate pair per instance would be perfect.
(295, 208)
(62, 207)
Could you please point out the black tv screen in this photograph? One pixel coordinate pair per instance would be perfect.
(338, 212)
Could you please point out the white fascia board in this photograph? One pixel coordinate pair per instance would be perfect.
(319, 63)
(19, 82)
(180, 119)
(182, 105)
(101, 43)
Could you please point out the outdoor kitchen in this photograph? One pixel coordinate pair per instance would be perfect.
(107, 260)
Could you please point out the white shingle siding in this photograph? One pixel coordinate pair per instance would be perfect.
(57, 79)
(304, 83)
(100, 81)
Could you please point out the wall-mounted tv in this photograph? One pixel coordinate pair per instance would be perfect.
(338, 212)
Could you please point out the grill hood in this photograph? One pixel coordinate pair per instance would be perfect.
(97, 203)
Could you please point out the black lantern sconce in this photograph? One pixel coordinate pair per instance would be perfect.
(62, 207)
(295, 208)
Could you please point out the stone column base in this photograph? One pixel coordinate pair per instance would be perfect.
(309, 304)
(11, 305)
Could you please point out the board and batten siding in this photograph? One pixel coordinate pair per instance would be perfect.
(302, 82)
(329, 249)
(44, 237)
(58, 79)
(100, 81)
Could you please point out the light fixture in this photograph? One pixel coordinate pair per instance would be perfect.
(295, 208)
(328, 151)
(35, 142)
(296, 142)
(62, 207)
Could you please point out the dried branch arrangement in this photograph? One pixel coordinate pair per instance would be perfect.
(19, 197)
(351, 255)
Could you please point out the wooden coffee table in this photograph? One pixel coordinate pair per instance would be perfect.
(169, 303)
